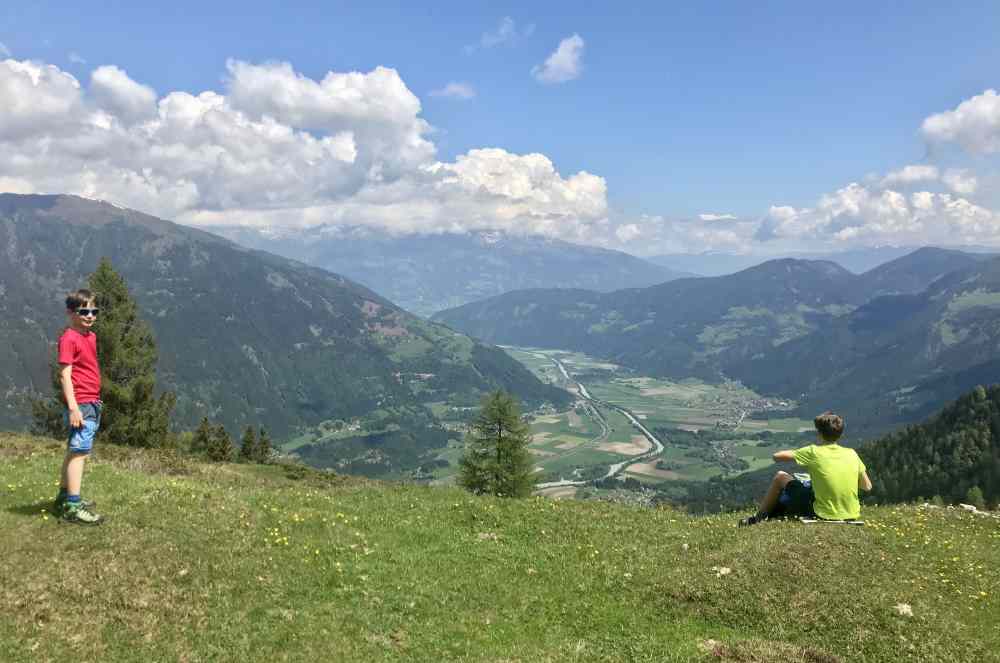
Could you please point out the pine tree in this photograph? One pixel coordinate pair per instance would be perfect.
(264, 447)
(248, 445)
(220, 448)
(496, 461)
(48, 414)
(202, 440)
(133, 414)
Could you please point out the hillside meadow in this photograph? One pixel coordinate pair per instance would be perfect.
(225, 562)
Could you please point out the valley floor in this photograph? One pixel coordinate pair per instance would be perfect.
(239, 562)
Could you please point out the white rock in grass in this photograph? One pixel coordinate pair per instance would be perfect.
(904, 609)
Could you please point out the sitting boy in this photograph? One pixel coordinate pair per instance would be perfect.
(835, 475)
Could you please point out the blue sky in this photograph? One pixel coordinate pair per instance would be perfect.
(728, 108)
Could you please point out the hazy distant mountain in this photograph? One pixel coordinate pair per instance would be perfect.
(692, 326)
(720, 264)
(428, 273)
(915, 271)
(245, 337)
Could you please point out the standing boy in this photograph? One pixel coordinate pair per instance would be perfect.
(836, 474)
(80, 378)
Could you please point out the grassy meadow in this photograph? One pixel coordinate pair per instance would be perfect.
(229, 562)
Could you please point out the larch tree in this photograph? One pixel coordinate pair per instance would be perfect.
(496, 459)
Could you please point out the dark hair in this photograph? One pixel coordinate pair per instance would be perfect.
(830, 426)
(75, 300)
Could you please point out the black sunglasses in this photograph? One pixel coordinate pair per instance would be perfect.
(87, 311)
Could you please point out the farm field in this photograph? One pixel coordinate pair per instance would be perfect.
(708, 429)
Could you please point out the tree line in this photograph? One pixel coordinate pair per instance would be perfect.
(954, 456)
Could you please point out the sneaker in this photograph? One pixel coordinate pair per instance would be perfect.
(59, 504)
(752, 520)
(80, 515)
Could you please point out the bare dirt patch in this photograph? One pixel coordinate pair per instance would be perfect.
(638, 445)
(574, 419)
(548, 419)
(559, 493)
(656, 391)
(569, 444)
(541, 452)
(540, 437)
(650, 470)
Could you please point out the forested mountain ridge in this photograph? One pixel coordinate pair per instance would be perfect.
(426, 273)
(688, 327)
(948, 455)
(245, 337)
(895, 359)
(914, 272)
(808, 330)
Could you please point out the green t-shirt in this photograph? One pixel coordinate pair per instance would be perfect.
(835, 471)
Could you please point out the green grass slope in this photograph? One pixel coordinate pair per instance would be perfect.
(271, 563)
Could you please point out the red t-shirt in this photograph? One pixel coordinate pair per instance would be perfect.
(80, 351)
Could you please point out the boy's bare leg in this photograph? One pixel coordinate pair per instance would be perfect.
(62, 473)
(770, 500)
(74, 472)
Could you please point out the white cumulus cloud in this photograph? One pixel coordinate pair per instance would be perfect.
(960, 181)
(974, 124)
(455, 90)
(716, 217)
(505, 34)
(275, 147)
(564, 64)
(628, 232)
(858, 215)
(910, 174)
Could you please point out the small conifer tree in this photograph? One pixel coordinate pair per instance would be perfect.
(248, 445)
(262, 453)
(133, 414)
(220, 448)
(202, 440)
(496, 460)
(975, 497)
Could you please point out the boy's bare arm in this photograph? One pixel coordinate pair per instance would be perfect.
(864, 483)
(66, 379)
(779, 456)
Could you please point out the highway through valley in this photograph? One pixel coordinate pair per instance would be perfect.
(617, 468)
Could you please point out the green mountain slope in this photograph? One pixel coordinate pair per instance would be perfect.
(955, 450)
(245, 337)
(260, 563)
(914, 272)
(895, 359)
(428, 273)
(687, 327)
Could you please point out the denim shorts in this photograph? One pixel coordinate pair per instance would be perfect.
(81, 440)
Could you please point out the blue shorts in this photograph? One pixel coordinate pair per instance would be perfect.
(796, 499)
(81, 440)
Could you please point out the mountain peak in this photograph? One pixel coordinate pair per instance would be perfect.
(799, 266)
